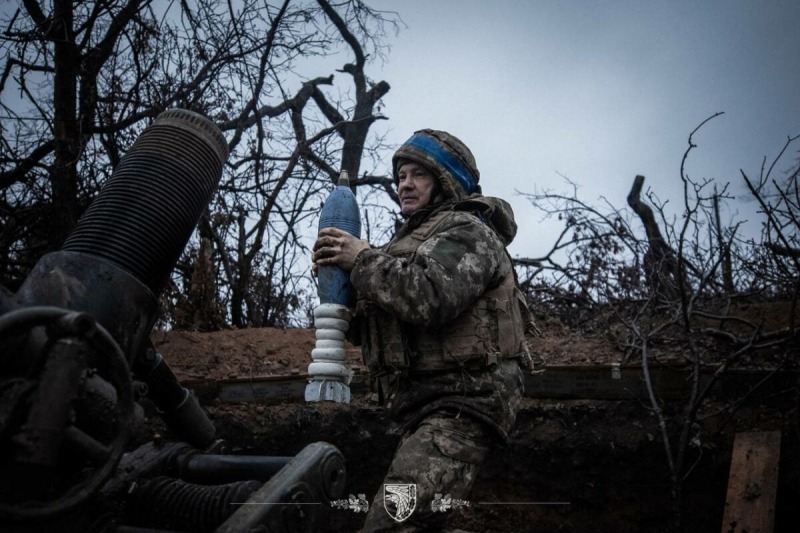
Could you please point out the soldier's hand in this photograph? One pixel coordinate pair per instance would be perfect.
(336, 247)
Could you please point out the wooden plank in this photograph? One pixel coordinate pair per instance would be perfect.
(264, 391)
(753, 483)
(598, 382)
(606, 382)
(620, 382)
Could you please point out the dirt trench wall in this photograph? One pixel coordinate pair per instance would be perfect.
(606, 459)
(569, 466)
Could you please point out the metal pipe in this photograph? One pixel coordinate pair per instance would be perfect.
(114, 264)
(214, 469)
(147, 210)
(177, 405)
(173, 503)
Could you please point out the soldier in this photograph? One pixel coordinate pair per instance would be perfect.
(440, 321)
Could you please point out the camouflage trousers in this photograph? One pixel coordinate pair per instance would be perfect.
(441, 457)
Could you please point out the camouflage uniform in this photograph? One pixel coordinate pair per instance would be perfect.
(438, 319)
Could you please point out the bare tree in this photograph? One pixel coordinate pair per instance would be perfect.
(677, 286)
(779, 200)
(596, 259)
(83, 79)
(50, 85)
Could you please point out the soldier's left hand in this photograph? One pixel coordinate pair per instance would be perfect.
(336, 247)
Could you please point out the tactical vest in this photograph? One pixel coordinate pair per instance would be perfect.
(490, 330)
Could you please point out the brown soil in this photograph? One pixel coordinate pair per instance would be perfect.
(591, 465)
(263, 352)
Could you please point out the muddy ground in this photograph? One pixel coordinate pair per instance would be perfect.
(571, 465)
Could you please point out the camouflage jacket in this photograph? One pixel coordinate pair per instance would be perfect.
(463, 259)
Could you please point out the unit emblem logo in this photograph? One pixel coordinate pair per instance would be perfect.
(400, 500)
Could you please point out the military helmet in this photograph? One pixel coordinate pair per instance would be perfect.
(446, 156)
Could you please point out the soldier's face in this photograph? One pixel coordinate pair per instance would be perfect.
(416, 187)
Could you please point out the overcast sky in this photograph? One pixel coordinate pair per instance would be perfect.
(598, 91)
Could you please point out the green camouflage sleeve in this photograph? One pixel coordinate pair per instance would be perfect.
(449, 271)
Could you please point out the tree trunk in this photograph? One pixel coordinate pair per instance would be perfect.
(64, 174)
(660, 263)
(724, 250)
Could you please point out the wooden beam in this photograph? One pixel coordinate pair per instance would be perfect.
(753, 483)
(570, 382)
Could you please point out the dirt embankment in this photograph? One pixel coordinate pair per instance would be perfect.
(571, 464)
